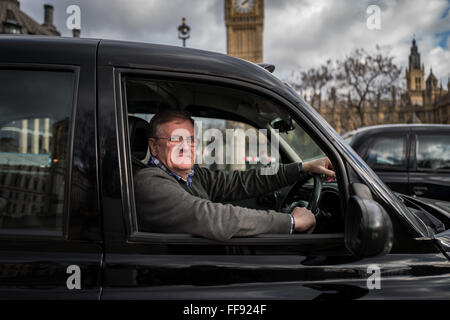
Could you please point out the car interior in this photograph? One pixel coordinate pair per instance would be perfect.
(224, 108)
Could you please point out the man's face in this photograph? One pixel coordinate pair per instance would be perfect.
(177, 156)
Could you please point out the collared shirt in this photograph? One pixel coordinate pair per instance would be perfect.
(156, 163)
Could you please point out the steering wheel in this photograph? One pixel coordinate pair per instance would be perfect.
(288, 204)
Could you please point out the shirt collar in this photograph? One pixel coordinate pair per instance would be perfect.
(155, 162)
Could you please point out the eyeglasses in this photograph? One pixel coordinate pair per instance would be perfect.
(175, 139)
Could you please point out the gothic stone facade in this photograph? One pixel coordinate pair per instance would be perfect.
(424, 101)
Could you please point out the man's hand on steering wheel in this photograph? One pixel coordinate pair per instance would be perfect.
(304, 220)
(320, 166)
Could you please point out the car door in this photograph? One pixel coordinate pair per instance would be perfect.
(140, 265)
(50, 236)
(143, 265)
(430, 173)
(387, 154)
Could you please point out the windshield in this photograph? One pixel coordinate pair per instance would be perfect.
(302, 144)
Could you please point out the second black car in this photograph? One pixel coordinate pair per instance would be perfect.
(412, 159)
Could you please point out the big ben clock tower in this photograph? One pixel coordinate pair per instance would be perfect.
(244, 20)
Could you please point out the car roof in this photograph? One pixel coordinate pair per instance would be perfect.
(141, 55)
(179, 59)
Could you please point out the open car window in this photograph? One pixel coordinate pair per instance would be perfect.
(235, 131)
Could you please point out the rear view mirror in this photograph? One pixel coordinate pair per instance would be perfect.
(283, 125)
(368, 228)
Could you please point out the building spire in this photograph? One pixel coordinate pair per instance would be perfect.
(414, 56)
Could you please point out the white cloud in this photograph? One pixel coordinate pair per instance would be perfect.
(307, 33)
(439, 60)
(297, 33)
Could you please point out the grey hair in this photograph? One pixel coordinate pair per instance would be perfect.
(165, 116)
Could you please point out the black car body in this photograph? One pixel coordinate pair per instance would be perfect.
(412, 159)
(68, 205)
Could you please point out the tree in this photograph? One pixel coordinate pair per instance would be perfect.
(314, 80)
(366, 78)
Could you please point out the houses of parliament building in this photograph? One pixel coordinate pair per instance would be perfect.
(424, 100)
(427, 98)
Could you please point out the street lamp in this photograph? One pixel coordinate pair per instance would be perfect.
(184, 31)
(76, 33)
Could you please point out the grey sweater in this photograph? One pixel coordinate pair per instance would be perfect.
(165, 205)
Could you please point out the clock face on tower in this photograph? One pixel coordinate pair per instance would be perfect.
(243, 6)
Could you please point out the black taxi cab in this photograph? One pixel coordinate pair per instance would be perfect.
(71, 139)
(412, 159)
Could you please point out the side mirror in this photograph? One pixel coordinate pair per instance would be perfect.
(368, 228)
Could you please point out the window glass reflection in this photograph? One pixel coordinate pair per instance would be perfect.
(387, 152)
(433, 152)
(35, 108)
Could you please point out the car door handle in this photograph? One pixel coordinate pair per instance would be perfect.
(420, 190)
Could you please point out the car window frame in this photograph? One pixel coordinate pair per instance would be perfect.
(63, 233)
(128, 203)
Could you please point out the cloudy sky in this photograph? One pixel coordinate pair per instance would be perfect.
(298, 34)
